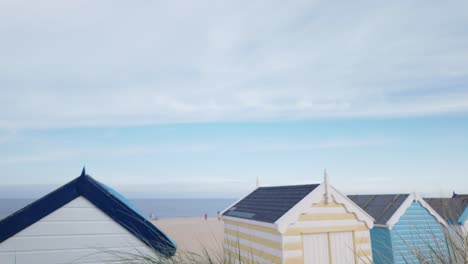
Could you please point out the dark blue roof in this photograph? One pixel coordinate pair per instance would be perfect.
(451, 209)
(107, 200)
(268, 204)
(380, 206)
(460, 196)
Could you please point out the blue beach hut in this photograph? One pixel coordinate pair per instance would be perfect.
(83, 221)
(406, 228)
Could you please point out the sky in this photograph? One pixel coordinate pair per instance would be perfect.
(182, 99)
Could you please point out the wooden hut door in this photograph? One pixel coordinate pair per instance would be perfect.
(342, 248)
(316, 248)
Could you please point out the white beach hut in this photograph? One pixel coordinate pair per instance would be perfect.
(455, 212)
(83, 221)
(310, 224)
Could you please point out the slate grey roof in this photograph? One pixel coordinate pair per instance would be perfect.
(381, 207)
(448, 208)
(268, 204)
(460, 195)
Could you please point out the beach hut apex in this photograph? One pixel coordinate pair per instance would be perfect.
(312, 223)
(84, 221)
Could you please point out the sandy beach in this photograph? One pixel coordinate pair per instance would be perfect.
(194, 234)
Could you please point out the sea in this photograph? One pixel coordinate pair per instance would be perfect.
(151, 208)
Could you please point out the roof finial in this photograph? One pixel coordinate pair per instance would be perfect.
(83, 172)
(327, 189)
(258, 182)
(325, 176)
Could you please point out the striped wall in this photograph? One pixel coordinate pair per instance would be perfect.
(78, 232)
(417, 232)
(326, 218)
(257, 242)
(251, 242)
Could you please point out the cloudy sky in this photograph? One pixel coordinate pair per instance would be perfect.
(199, 98)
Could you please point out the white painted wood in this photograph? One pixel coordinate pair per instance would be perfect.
(76, 256)
(79, 202)
(77, 232)
(325, 223)
(455, 232)
(72, 228)
(7, 258)
(316, 248)
(7, 246)
(326, 210)
(464, 233)
(74, 242)
(76, 214)
(342, 247)
(269, 236)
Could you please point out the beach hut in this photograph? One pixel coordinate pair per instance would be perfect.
(405, 228)
(311, 224)
(83, 221)
(455, 212)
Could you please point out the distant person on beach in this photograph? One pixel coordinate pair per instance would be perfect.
(206, 216)
(153, 217)
(219, 216)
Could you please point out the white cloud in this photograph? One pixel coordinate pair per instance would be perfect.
(80, 152)
(91, 63)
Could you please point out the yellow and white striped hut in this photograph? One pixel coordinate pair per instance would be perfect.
(313, 224)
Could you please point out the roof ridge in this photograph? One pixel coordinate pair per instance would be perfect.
(294, 185)
(95, 192)
(376, 194)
